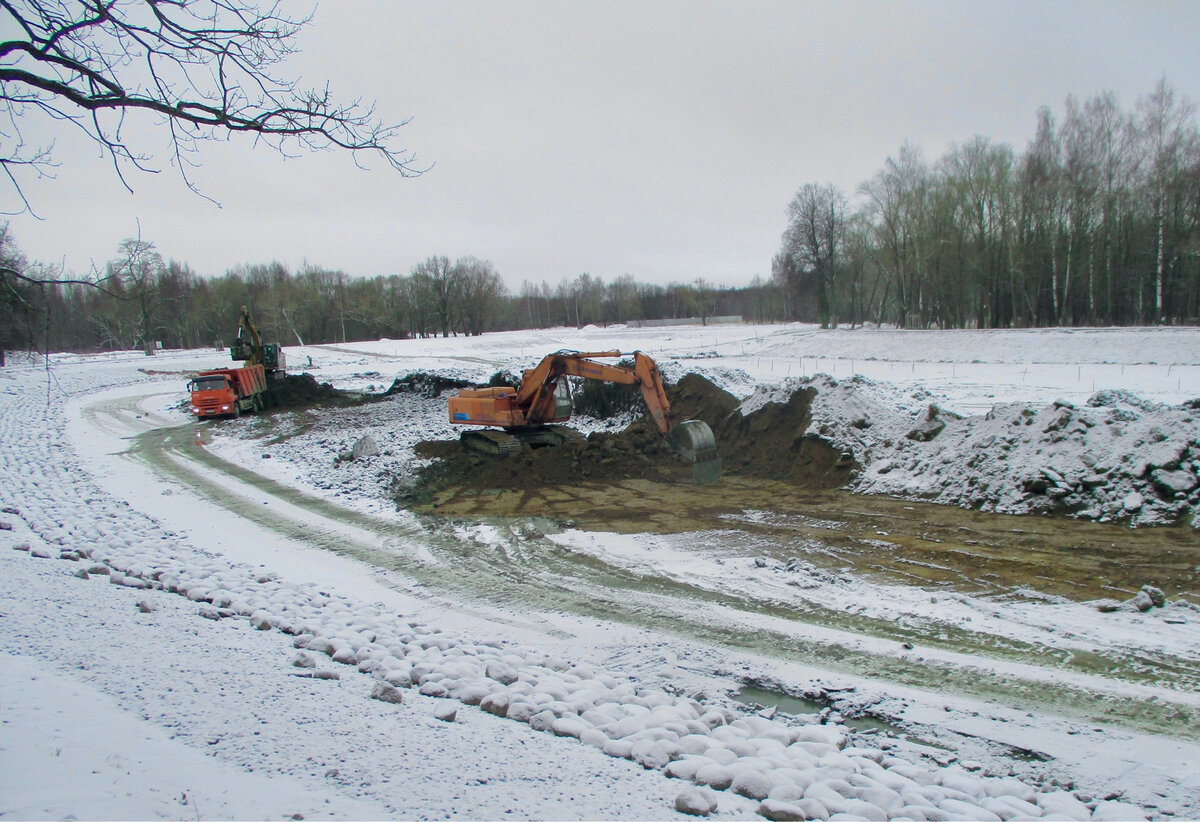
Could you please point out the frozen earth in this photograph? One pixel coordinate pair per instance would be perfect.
(198, 627)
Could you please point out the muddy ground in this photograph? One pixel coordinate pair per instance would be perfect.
(769, 445)
(784, 485)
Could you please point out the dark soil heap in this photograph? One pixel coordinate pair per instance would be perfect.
(297, 391)
(770, 444)
(303, 391)
(424, 384)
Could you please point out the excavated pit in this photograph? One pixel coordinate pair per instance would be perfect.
(769, 444)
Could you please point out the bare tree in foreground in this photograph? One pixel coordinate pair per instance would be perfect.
(202, 68)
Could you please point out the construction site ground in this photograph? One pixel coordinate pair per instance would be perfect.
(925, 544)
(975, 633)
(630, 482)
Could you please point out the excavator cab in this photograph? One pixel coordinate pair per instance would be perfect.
(562, 401)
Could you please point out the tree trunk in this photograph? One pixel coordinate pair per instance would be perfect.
(1158, 277)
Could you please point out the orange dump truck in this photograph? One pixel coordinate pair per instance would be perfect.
(227, 392)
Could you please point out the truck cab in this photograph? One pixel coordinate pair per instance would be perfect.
(228, 391)
(213, 396)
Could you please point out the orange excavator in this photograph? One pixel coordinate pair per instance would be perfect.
(528, 415)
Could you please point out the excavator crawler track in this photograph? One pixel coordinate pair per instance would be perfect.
(489, 441)
(498, 443)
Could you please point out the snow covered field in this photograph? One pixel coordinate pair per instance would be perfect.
(209, 643)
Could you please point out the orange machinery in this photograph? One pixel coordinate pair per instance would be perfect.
(227, 392)
(528, 414)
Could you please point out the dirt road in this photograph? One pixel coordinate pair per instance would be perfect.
(517, 557)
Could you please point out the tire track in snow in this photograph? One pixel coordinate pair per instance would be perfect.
(550, 579)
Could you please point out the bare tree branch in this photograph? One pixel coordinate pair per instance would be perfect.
(203, 68)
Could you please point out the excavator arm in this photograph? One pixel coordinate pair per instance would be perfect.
(539, 385)
(249, 347)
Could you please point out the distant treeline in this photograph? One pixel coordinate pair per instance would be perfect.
(1096, 222)
(140, 300)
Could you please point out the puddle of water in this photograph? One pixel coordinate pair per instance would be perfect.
(759, 698)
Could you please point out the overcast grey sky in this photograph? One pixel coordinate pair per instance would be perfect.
(657, 139)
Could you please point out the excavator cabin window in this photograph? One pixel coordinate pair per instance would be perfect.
(562, 400)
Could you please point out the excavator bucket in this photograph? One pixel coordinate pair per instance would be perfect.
(695, 441)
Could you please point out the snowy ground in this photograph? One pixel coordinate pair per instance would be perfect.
(136, 681)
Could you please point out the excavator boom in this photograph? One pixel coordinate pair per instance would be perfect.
(528, 413)
(249, 347)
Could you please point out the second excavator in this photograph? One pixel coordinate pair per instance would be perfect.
(528, 415)
(249, 347)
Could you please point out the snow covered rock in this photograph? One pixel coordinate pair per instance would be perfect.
(364, 447)
(1157, 598)
(385, 692)
(209, 612)
(502, 673)
(695, 801)
(752, 784)
(434, 689)
(1173, 482)
(1133, 501)
(714, 776)
(1142, 602)
(779, 811)
(959, 809)
(929, 426)
(1114, 811)
(1063, 804)
(650, 754)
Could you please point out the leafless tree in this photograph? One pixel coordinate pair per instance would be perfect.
(438, 287)
(1168, 130)
(137, 272)
(815, 239)
(480, 289)
(202, 69)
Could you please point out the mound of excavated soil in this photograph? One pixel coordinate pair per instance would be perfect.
(770, 443)
(424, 384)
(303, 391)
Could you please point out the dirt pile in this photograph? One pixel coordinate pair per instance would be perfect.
(425, 384)
(303, 391)
(770, 444)
(1117, 459)
(773, 441)
(296, 391)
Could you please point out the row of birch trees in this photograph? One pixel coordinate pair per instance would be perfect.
(1097, 221)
